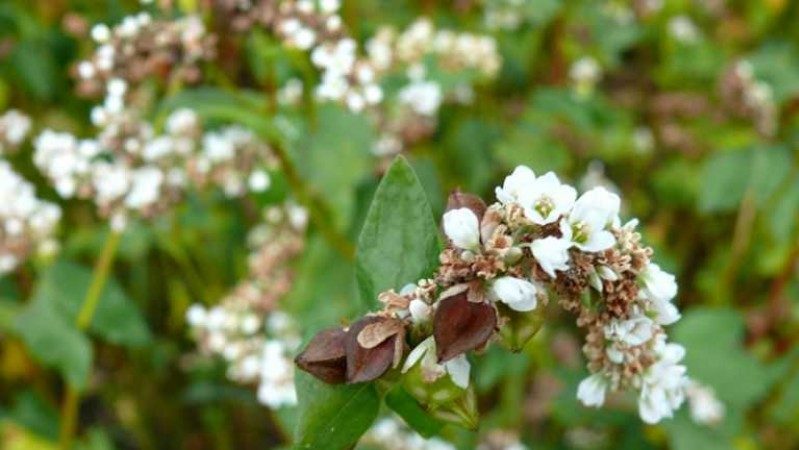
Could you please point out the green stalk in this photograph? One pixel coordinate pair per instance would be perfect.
(69, 410)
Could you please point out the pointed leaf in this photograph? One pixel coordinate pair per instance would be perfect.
(333, 417)
(399, 241)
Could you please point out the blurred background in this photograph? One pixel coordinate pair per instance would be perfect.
(688, 109)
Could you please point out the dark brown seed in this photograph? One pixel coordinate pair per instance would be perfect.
(325, 356)
(460, 325)
(367, 364)
(458, 199)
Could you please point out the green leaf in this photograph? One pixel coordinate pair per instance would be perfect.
(53, 341)
(334, 156)
(727, 176)
(117, 319)
(399, 242)
(402, 403)
(333, 417)
(716, 357)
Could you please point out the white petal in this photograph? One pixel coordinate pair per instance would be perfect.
(598, 241)
(551, 253)
(517, 185)
(462, 227)
(458, 369)
(417, 353)
(420, 310)
(518, 294)
(591, 391)
(665, 312)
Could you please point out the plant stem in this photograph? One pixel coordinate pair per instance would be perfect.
(69, 410)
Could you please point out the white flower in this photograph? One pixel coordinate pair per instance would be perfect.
(660, 288)
(419, 310)
(683, 29)
(552, 254)
(277, 376)
(518, 294)
(633, 331)
(593, 212)
(517, 186)
(547, 199)
(462, 227)
(259, 181)
(196, 315)
(705, 407)
(458, 368)
(423, 97)
(591, 391)
(663, 384)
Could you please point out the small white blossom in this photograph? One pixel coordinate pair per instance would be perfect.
(457, 368)
(552, 254)
(591, 391)
(705, 407)
(518, 294)
(660, 288)
(586, 225)
(547, 199)
(633, 331)
(516, 186)
(663, 383)
(462, 227)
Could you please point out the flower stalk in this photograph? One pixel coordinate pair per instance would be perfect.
(102, 269)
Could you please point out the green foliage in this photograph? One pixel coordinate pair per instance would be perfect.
(399, 242)
(54, 341)
(117, 320)
(333, 417)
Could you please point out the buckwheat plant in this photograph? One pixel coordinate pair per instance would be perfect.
(419, 55)
(540, 243)
(247, 328)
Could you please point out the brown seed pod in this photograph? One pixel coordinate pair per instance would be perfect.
(367, 364)
(458, 199)
(325, 356)
(460, 325)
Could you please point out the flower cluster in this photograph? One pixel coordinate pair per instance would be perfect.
(14, 128)
(418, 100)
(128, 168)
(315, 27)
(246, 328)
(27, 224)
(746, 96)
(141, 47)
(504, 262)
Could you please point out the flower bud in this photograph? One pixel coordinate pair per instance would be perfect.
(458, 199)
